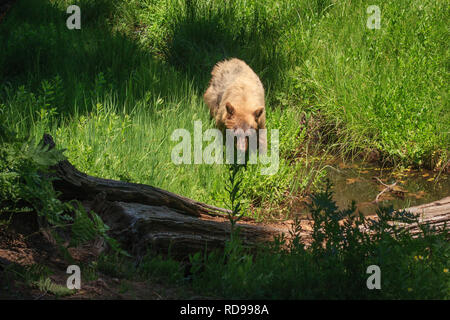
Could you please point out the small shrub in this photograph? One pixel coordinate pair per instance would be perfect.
(26, 184)
(334, 264)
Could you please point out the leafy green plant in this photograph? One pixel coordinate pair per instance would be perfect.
(333, 264)
(233, 189)
(27, 185)
(38, 276)
(48, 286)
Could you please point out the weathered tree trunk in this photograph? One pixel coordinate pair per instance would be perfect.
(139, 227)
(435, 214)
(142, 216)
(77, 185)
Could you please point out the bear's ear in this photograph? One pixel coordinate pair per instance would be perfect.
(258, 112)
(230, 109)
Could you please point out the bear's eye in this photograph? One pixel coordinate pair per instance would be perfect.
(230, 109)
(258, 112)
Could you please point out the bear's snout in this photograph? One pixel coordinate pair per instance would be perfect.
(243, 137)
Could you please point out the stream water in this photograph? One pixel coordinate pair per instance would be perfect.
(357, 181)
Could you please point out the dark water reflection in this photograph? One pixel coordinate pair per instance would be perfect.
(358, 182)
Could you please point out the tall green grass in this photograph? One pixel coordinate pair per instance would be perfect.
(113, 92)
(380, 89)
(386, 89)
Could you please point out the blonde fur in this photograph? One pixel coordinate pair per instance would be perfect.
(235, 96)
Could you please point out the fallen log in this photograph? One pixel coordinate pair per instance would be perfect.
(435, 214)
(140, 227)
(141, 216)
(433, 209)
(77, 185)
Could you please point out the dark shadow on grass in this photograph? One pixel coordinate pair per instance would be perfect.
(37, 45)
(204, 34)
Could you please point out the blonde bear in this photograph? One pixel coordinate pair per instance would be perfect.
(235, 98)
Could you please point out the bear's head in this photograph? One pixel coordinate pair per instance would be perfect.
(241, 121)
